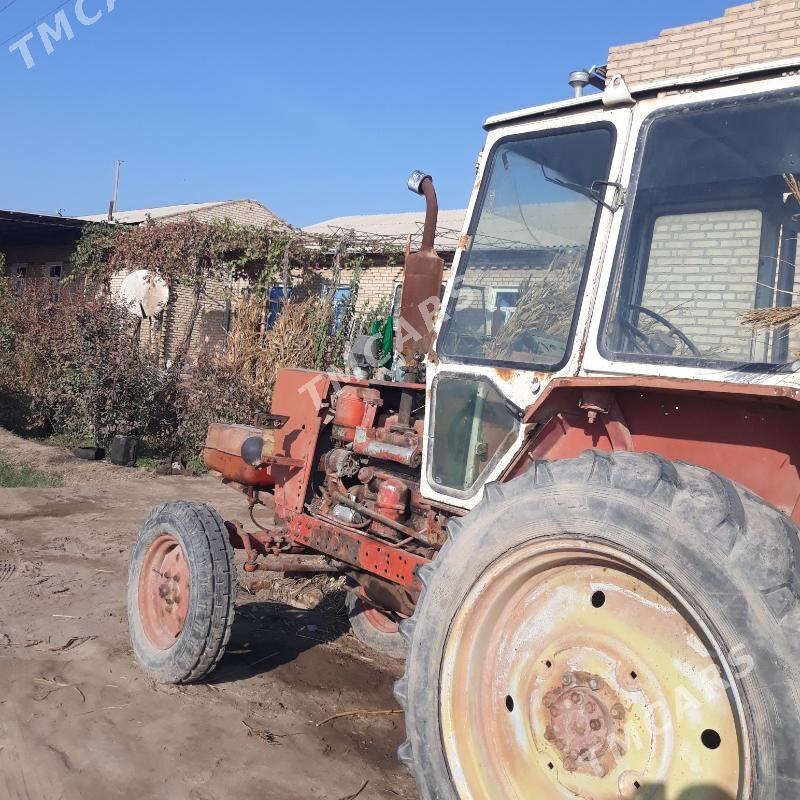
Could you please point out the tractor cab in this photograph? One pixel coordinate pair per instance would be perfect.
(617, 235)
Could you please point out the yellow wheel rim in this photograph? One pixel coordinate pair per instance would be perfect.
(571, 671)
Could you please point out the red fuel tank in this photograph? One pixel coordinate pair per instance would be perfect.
(227, 447)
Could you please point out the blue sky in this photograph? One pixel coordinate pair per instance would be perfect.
(315, 109)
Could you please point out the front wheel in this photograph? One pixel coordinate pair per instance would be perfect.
(374, 628)
(608, 628)
(181, 592)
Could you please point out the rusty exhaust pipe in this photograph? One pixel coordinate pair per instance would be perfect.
(420, 183)
(422, 284)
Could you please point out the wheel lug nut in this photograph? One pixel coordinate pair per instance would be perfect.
(595, 724)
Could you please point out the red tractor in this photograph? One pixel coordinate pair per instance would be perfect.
(576, 515)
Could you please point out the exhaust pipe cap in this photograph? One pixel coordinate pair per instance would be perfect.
(415, 180)
(579, 80)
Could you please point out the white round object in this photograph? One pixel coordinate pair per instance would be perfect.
(144, 293)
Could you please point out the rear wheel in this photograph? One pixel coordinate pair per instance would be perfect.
(608, 627)
(181, 592)
(374, 628)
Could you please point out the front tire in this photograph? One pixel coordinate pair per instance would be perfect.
(660, 597)
(181, 592)
(374, 628)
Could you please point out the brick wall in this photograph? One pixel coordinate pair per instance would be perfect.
(377, 283)
(209, 330)
(244, 212)
(702, 274)
(747, 34)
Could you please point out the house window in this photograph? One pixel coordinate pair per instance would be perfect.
(341, 297)
(502, 302)
(397, 297)
(19, 271)
(54, 269)
(278, 297)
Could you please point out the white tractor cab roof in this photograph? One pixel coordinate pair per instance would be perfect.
(622, 234)
(614, 93)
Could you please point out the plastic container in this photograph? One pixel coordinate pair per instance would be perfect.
(124, 450)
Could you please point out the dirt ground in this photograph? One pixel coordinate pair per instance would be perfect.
(78, 719)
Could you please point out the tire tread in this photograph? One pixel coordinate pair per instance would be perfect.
(741, 524)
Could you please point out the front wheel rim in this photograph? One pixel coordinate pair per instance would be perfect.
(164, 585)
(376, 618)
(572, 670)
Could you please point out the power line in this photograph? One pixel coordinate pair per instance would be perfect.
(7, 6)
(28, 28)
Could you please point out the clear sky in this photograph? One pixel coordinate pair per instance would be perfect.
(315, 109)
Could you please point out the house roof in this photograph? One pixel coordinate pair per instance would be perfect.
(548, 225)
(22, 228)
(396, 228)
(169, 212)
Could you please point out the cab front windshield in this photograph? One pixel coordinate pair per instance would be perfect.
(516, 293)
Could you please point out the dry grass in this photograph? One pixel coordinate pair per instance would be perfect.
(292, 341)
(545, 304)
(763, 318)
(766, 318)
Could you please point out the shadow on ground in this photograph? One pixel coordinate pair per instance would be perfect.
(267, 635)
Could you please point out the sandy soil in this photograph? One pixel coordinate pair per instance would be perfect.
(78, 719)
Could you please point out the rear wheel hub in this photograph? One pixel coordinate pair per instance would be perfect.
(585, 721)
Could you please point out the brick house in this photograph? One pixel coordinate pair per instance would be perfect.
(215, 312)
(38, 245)
(381, 280)
(766, 30)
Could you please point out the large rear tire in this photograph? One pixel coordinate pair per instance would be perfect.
(181, 592)
(612, 626)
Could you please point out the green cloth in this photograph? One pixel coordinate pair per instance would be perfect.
(384, 330)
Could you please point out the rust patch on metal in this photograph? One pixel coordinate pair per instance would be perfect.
(390, 563)
(504, 373)
(585, 723)
(464, 241)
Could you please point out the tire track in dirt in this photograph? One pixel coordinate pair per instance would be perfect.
(9, 557)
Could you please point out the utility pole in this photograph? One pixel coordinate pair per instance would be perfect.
(112, 206)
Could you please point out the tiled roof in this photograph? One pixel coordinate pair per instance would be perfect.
(214, 209)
